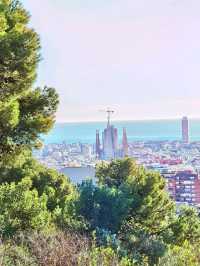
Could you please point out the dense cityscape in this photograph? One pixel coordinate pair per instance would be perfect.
(177, 161)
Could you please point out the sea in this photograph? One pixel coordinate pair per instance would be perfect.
(145, 130)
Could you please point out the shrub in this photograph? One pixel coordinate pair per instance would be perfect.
(22, 208)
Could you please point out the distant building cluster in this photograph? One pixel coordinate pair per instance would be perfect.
(184, 186)
(65, 155)
(182, 183)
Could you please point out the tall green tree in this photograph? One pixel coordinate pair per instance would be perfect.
(132, 203)
(103, 207)
(25, 112)
(152, 225)
(151, 206)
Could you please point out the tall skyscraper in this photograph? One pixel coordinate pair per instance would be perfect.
(124, 143)
(98, 145)
(185, 130)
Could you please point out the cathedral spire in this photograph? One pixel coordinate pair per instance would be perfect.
(98, 145)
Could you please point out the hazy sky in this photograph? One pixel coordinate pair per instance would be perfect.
(140, 57)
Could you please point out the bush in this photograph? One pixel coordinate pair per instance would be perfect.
(57, 248)
(42, 249)
(103, 257)
(22, 209)
(186, 255)
(12, 254)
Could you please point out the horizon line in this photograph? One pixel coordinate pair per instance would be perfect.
(127, 120)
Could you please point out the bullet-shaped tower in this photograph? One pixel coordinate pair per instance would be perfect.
(98, 145)
(185, 130)
(125, 143)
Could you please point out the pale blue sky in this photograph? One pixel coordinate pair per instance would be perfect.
(140, 57)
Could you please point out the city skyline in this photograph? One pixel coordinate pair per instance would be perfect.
(140, 58)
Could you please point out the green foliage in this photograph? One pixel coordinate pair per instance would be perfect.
(22, 209)
(140, 211)
(141, 245)
(25, 113)
(151, 205)
(41, 249)
(59, 192)
(150, 223)
(186, 227)
(19, 48)
(12, 254)
(135, 197)
(115, 173)
(186, 255)
(104, 257)
(55, 186)
(103, 207)
(57, 248)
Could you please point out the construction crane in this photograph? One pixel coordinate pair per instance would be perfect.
(109, 113)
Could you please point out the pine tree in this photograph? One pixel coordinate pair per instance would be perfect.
(25, 112)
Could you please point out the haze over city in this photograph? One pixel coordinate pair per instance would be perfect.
(139, 57)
